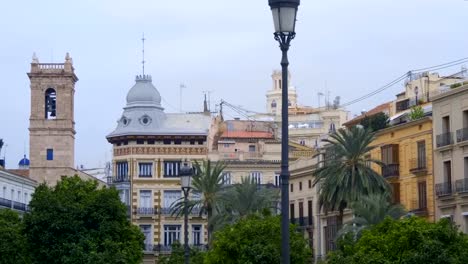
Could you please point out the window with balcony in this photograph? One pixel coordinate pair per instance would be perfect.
(445, 138)
(462, 134)
(227, 179)
(197, 234)
(419, 164)
(445, 187)
(146, 206)
(146, 230)
(390, 158)
(169, 198)
(256, 176)
(171, 168)
(122, 170)
(171, 234)
(145, 169)
(422, 195)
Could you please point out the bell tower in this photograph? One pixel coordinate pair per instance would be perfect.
(51, 123)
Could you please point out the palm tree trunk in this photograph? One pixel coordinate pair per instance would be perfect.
(209, 210)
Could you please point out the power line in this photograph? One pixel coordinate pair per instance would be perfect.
(406, 75)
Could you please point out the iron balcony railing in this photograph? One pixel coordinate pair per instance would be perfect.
(118, 179)
(418, 164)
(462, 185)
(444, 139)
(149, 248)
(168, 211)
(462, 134)
(146, 211)
(391, 170)
(444, 189)
(302, 221)
(166, 249)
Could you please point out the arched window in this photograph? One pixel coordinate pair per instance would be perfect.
(50, 104)
(273, 104)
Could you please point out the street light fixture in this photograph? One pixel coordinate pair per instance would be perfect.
(284, 19)
(186, 173)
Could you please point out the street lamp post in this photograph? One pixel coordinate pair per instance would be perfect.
(284, 19)
(186, 173)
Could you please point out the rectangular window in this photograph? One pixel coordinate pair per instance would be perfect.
(145, 169)
(178, 142)
(50, 154)
(151, 142)
(292, 214)
(145, 199)
(256, 176)
(226, 145)
(421, 154)
(300, 186)
(465, 119)
(422, 195)
(291, 188)
(251, 148)
(227, 179)
(390, 154)
(277, 180)
(465, 218)
(170, 197)
(301, 213)
(140, 142)
(448, 172)
(166, 141)
(310, 184)
(465, 165)
(171, 234)
(171, 168)
(122, 170)
(446, 124)
(309, 212)
(196, 234)
(146, 230)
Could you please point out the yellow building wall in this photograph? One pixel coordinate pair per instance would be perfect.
(406, 136)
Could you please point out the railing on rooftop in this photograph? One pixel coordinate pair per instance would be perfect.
(14, 205)
(51, 66)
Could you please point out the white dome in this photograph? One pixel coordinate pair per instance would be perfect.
(143, 93)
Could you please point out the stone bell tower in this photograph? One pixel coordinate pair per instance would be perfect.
(52, 124)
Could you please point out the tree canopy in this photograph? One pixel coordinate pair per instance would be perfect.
(12, 240)
(76, 222)
(410, 241)
(375, 122)
(256, 239)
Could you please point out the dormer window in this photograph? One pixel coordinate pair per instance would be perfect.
(125, 121)
(50, 104)
(145, 120)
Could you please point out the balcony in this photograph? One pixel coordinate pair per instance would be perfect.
(391, 170)
(148, 211)
(419, 208)
(444, 139)
(418, 166)
(118, 179)
(302, 222)
(462, 134)
(168, 212)
(167, 249)
(444, 189)
(13, 205)
(462, 185)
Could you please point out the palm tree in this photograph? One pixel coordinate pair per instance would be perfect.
(371, 210)
(208, 182)
(243, 199)
(344, 174)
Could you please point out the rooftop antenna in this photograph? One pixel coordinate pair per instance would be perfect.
(143, 53)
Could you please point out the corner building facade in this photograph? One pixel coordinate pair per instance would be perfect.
(149, 148)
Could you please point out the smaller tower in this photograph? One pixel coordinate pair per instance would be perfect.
(275, 94)
(51, 123)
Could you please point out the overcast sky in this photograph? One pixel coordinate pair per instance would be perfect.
(226, 47)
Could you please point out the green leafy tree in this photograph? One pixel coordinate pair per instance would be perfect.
(243, 199)
(375, 122)
(256, 239)
(345, 174)
(416, 113)
(13, 248)
(411, 241)
(77, 222)
(369, 211)
(208, 182)
(178, 255)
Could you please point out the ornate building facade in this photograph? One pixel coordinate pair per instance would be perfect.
(149, 147)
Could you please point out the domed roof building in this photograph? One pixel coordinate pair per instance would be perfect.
(149, 149)
(23, 164)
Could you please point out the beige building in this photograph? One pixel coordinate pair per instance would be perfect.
(450, 114)
(149, 149)
(52, 123)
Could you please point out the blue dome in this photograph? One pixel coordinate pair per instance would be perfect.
(23, 162)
